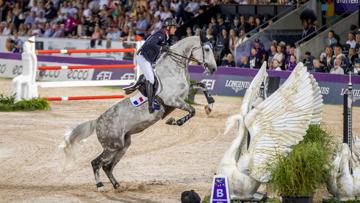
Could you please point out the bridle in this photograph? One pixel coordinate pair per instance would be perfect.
(177, 57)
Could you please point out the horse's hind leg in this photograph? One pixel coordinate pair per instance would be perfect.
(97, 163)
(181, 104)
(109, 167)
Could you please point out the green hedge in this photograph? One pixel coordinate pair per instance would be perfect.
(306, 167)
(9, 104)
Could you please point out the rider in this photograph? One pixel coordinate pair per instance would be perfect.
(149, 52)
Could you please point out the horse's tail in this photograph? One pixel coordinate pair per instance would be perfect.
(74, 137)
(231, 121)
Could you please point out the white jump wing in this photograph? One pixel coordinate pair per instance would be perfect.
(282, 120)
(252, 92)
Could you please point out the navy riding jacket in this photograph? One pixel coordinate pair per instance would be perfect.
(152, 46)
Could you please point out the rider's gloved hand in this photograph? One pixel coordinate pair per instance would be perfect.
(165, 48)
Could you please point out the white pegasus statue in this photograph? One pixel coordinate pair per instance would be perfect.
(344, 182)
(274, 125)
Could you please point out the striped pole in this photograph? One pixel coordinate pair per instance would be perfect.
(86, 67)
(73, 51)
(85, 97)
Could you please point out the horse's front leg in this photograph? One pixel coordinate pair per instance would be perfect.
(210, 100)
(181, 104)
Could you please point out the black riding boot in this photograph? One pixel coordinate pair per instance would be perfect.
(150, 95)
(133, 87)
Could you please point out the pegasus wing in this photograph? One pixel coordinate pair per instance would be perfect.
(281, 120)
(252, 92)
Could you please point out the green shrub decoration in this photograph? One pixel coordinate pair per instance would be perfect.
(7, 103)
(306, 167)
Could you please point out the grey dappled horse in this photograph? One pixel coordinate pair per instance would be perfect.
(115, 127)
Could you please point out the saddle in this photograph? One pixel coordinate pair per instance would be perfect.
(140, 85)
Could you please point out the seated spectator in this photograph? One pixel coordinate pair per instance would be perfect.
(228, 61)
(141, 25)
(114, 34)
(351, 40)
(40, 18)
(156, 25)
(233, 38)
(318, 67)
(252, 24)
(17, 43)
(242, 37)
(221, 24)
(271, 53)
(337, 66)
(71, 24)
(275, 65)
(30, 19)
(244, 62)
(344, 61)
(290, 52)
(50, 11)
(22, 30)
(279, 56)
(222, 43)
(192, 7)
(6, 29)
(210, 36)
(254, 60)
(331, 40)
(308, 61)
(357, 66)
(351, 55)
(260, 50)
(235, 25)
(290, 65)
(326, 59)
(357, 39)
(59, 31)
(49, 30)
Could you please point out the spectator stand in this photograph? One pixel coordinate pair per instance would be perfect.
(318, 44)
(287, 28)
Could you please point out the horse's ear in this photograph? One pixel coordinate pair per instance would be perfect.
(203, 38)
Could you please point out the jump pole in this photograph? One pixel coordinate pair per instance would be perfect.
(77, 51)
(70, 98)
(86, 67)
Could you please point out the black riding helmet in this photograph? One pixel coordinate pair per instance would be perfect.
(170, 22)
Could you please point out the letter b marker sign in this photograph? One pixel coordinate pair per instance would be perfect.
(220, 190)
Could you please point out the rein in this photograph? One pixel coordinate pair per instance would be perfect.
(191, 58)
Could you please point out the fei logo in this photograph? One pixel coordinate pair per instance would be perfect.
(104, 75)
(209, 84)
(128, 76)
(220, 190)
(236, 85)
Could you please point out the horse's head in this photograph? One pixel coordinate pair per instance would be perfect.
(203, 53)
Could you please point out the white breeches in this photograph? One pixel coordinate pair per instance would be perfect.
(146, 68)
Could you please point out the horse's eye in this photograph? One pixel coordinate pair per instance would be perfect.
(206, 49)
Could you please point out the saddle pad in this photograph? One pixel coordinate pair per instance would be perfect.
(138, 99)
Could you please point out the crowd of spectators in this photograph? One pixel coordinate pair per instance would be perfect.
(121, 19)
(336, 58)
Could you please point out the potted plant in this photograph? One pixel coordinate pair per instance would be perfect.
(296, 176)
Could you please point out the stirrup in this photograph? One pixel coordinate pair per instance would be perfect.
(134, 86)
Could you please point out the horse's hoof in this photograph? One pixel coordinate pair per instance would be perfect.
(207, 110)
(116, 186)
(171, 121)
(101, 189)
